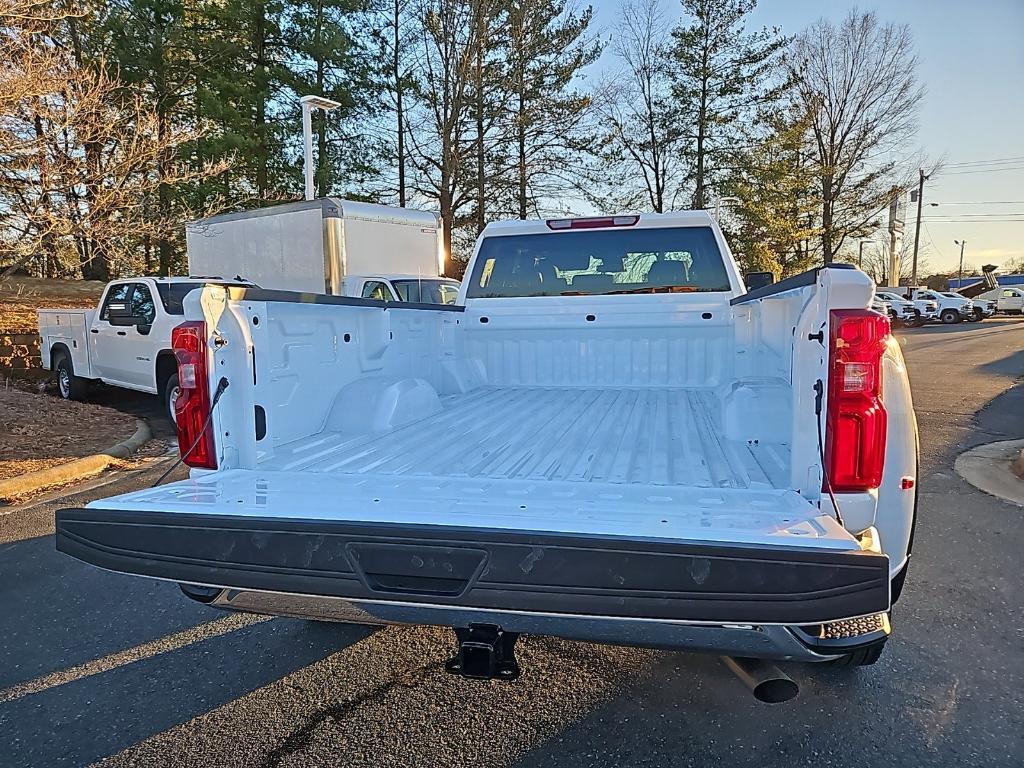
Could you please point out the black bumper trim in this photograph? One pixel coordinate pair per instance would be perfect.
(484, 568)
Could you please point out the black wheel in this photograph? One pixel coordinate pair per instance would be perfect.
(69, 386)
(171, 390)
(978, 315)
(862, 657)
(949, 316)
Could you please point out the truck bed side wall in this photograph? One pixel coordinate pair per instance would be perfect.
(298, 361)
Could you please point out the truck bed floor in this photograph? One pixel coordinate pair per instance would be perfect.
(660, 437)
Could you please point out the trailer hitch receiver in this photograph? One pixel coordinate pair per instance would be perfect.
(486, 652)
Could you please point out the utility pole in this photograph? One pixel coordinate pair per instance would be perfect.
(960, 277)
(921, 178)
(860, 256)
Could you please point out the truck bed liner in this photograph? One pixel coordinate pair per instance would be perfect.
(662, 437)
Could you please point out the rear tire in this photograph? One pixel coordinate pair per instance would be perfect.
(69, 386)
(171, 391)
(862, 657)
(949, 316)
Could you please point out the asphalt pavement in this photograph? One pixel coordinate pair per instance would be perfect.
(99, 667)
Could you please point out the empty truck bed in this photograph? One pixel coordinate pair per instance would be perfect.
(659, 437)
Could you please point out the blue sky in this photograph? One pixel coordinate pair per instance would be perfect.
(972, 66)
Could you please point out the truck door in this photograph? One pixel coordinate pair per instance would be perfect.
(103, 337)
(1011, 300)
(123, 354)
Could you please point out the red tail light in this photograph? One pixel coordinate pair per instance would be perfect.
(855, 420)
(193, 405)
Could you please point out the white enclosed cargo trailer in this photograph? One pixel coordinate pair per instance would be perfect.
(312, 246)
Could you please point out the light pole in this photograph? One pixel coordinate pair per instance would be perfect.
(860, 256)
(960, 277)
(309, 103)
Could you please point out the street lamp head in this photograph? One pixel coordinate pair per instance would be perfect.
(320, 102)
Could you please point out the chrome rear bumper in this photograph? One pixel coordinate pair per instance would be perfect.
(776, 642)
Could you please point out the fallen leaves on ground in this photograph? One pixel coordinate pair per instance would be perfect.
(39, 431)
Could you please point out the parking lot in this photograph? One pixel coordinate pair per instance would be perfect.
(99, 667)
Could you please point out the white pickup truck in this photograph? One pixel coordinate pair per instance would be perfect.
(1009, 300)
(125, 341)
(607, 438)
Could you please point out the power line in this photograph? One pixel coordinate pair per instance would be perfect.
(983, 170)
(982, 202)
(973, 215)
(932, 240)
(986, 162)
(975, 221)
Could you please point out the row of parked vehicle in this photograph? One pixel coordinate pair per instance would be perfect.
(923, 305)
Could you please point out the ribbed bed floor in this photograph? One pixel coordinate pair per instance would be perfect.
(632, 436)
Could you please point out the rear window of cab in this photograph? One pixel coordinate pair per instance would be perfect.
(599, 262)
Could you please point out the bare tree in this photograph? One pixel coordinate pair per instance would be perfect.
(647, 131)
(858, 82)
(81, 159)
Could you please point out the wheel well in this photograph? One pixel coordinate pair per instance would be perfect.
(58, 350)
(166, 366)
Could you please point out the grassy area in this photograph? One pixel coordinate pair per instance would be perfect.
(20, 297)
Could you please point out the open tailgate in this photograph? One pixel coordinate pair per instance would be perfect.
(368, 540)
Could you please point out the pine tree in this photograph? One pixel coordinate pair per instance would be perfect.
(241, 90)
(327, 54)
(770, 221)
(548, 44)
(721, 74)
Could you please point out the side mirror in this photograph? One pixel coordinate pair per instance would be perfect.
(755, 280)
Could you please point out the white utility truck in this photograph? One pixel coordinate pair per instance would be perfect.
(608, 438)
(1009, 300)
(125, 341)
(332, 246)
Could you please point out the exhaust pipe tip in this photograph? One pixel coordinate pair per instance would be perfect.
(768, 683)
(776, 691)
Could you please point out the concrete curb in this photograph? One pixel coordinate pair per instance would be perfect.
(77, 469)
(995, 468)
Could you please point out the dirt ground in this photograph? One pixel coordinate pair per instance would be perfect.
(39, 431)
(20, 297)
